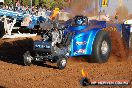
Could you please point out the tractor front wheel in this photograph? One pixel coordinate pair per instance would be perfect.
(27, 58)
(61, 62)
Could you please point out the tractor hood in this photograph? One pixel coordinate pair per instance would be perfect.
(77, 28)
(94, 24)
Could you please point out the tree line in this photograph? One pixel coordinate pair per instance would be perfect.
(45, 3)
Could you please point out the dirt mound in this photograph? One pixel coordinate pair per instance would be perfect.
(10, 49)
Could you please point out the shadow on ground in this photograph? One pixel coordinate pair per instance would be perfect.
(12, 52)
(2, 87)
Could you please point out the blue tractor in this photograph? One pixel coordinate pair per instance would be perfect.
(78, 37)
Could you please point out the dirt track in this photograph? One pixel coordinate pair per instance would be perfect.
(14, 75)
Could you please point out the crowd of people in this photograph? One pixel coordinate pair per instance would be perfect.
(33, 10)
(26, 9)
(46, 13)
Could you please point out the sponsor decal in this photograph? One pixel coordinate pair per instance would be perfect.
(80, 51)
(42, 46)
(81, 43)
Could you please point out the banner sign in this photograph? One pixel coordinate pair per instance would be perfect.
(103, 3)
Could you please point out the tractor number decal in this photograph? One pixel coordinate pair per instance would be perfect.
(42, 46)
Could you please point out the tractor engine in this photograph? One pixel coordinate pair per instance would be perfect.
(50, 48)
(52, 42)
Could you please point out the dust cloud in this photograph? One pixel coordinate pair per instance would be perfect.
(122, 12)
(84, 7)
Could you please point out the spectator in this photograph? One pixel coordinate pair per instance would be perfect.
(18, 5)
(48, 12)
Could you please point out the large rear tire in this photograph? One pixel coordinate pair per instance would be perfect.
(130, 41)
(101, 47)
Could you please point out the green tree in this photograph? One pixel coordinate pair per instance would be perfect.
(35, 2)
(53, 3)
(26, 2)
(48, 3)
(8, 2)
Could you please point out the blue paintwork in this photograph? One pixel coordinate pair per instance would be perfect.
(77, 28)
(101, 24)
(8, 13)
(87, 37)
(126, 33)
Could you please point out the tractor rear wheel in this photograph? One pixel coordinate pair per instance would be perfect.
(130, 41)
(101, 48)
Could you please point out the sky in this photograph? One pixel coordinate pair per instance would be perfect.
(1, 0)
(113, 4)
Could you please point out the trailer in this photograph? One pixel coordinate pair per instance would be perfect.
(127, 32)
(14, 21)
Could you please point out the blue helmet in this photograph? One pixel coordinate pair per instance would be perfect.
(79, 21)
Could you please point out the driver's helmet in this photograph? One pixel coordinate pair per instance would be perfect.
(80, 20)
